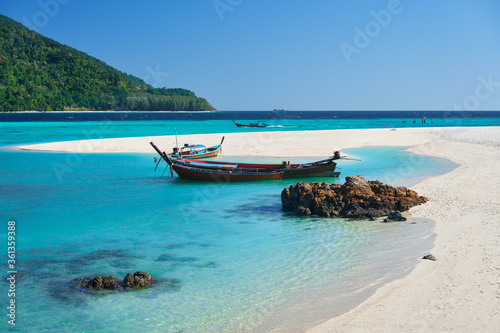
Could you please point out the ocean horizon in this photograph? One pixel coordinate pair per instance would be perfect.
(239, 115)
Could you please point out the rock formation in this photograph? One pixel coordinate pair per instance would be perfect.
(357, 198)
(131, 281)
(138, 280)
(429, 257)
(395, 215)
(100, 282)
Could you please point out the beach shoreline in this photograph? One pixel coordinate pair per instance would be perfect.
(276, 144)
(457, 292)
(105, 111)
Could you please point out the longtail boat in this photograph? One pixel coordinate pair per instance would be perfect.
(257, 124)
(197, 151)
(222, 174)
(218, 172)
(314, 169)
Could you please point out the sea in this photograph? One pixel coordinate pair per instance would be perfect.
(224, 257)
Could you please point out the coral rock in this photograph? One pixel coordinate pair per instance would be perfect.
(100, 282)
(137, 280)
(357, 198)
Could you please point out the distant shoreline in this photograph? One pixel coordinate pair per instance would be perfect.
(284, 111)
(108, 111)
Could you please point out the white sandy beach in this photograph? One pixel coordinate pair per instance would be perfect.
(300, 143)
(460, 292)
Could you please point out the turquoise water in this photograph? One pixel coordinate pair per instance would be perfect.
(31, 132)
(226, 257)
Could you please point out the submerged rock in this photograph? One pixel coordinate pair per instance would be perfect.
(99, 283)
(131, 281)
(395, 216)
(429, 257)
(165, 257)
(357, 198)
(137, 280)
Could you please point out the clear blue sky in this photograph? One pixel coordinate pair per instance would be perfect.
(297, 55)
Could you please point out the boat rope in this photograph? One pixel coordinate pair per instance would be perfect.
(159, 160)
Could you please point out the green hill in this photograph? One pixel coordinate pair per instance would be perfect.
(38, 73)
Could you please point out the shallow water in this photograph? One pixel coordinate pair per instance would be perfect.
(225, 255)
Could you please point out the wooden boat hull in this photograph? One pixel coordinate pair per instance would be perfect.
(211, 152)
(315, 169)
(191, 173)
(311, 171)
(229, 171)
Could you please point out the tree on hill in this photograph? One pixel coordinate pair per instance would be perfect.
(38, 73)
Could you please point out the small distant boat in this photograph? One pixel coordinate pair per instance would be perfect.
(197, 151)
(279, 110)
(257, 124)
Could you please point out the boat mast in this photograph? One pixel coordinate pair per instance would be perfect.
(177, 143)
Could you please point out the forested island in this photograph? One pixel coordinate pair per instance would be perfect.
(38, 73)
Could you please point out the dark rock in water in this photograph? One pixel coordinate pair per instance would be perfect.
(395, 216)
(132, 281)
(69, 292)
(357, 198)
(209, 264)
(301, 210)
(99, 283)
(104, 254)
(118, 258)
(168, 257)
(429, 257)
(165, 257)
(186, 259)
(137, 280)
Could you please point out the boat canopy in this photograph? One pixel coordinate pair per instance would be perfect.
(224, 166)
(194, 146)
